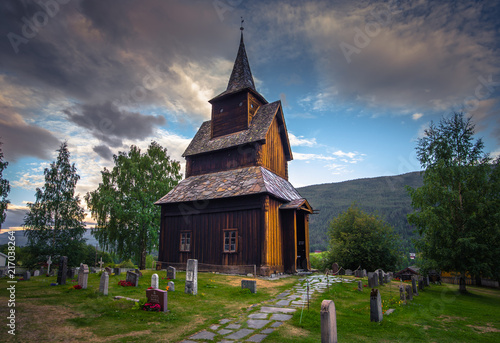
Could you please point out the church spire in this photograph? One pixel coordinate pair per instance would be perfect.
(241, 76)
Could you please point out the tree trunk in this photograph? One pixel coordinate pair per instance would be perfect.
(462, 285)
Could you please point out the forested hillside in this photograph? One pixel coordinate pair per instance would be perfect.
(385, 196)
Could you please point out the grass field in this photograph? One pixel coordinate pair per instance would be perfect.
(47, 313)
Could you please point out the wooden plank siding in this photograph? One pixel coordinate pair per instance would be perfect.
(235, 158)
(273, 156)
(230, 115)
(207, 226)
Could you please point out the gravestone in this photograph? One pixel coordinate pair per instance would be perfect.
(117, 271)
(386, 278)
(364, 273)
(157, 296)
(402, 296)
(104, 283)
(49, 262)
(93, 270)
(108, 270)
(27, 275)
(36, 273)
(71, 273)
(380, 277)
(83, 275)
(171, 273)
(335, 268)
(348, 272)
(414, 286)
(133, 278)
(138, 272)
(191, 277)
(375, 306)
(358, 273)
(409, 292)
(328, 322)
(426, 281)
(171, 286)
(249, 284)
(341, 271)
(155, 282)
(370, 280)
(420, 284)
(360, 286)
(63, 270)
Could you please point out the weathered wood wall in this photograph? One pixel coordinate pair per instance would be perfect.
(207, 222)
(230, 115)
(273, 155)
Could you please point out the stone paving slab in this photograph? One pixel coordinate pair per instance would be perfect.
(233, 326)
(256, 338)
(257, 323)
(258, 316)
(276, 324)
(267, 309)
(203, 335)
(283, 303)
(240, 334)
(281, 317)
(267, 331)
(224, 321)
(224, 332)
(214, 327)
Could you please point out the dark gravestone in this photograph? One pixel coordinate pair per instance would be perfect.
(380, 277)
(27, 275)
(157, 296)
(426, 281)
(335, 268)
(171, 271)
(360, 286)
(328, 322)
(348, 272)
(375, 306)
(414, 286)
(117, 271)
(358, 273)
(63, 270)
(420, 284)
(133, 278)
(249, 284)
(409, 292)
(371, 283)
(71, 273)
(402, 295)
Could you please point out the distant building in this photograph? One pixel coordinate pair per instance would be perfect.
(3, 259)
(407, 273)
(235, 210)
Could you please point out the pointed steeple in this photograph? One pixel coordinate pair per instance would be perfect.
(241, 76)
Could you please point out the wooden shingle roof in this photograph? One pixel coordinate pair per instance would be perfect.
(231, 183)
(257, 131)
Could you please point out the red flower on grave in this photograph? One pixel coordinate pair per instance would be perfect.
(124, 283)
(77, 287)
(151, 307)
(150, 287)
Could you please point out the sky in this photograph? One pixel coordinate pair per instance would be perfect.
(359, 81)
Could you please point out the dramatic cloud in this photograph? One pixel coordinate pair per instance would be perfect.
(110, 124)
(301, 140)
(103, 151)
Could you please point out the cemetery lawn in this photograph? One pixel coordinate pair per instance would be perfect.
(45, 313)
(438, 314)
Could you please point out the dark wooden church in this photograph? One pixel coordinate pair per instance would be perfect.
(236, 211)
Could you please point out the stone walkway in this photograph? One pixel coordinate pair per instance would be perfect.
(256, 326)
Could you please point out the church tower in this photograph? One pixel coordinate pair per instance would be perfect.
(236, 211)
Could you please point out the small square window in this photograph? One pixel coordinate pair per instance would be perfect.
(185, 241)
(230, 240)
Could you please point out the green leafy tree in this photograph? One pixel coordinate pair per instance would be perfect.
(456, 209)
(361, 239)
(54, 224)
(128, 222)
(4, 189)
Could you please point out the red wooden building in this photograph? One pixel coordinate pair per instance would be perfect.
(235, 210)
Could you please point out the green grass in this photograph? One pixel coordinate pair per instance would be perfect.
(86, 315)
(47, 313)
(438, 314)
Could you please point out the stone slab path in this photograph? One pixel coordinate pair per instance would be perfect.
(256, 326)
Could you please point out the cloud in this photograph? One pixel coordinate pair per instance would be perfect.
(103, 151)
(417, 116)
(301, 141)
